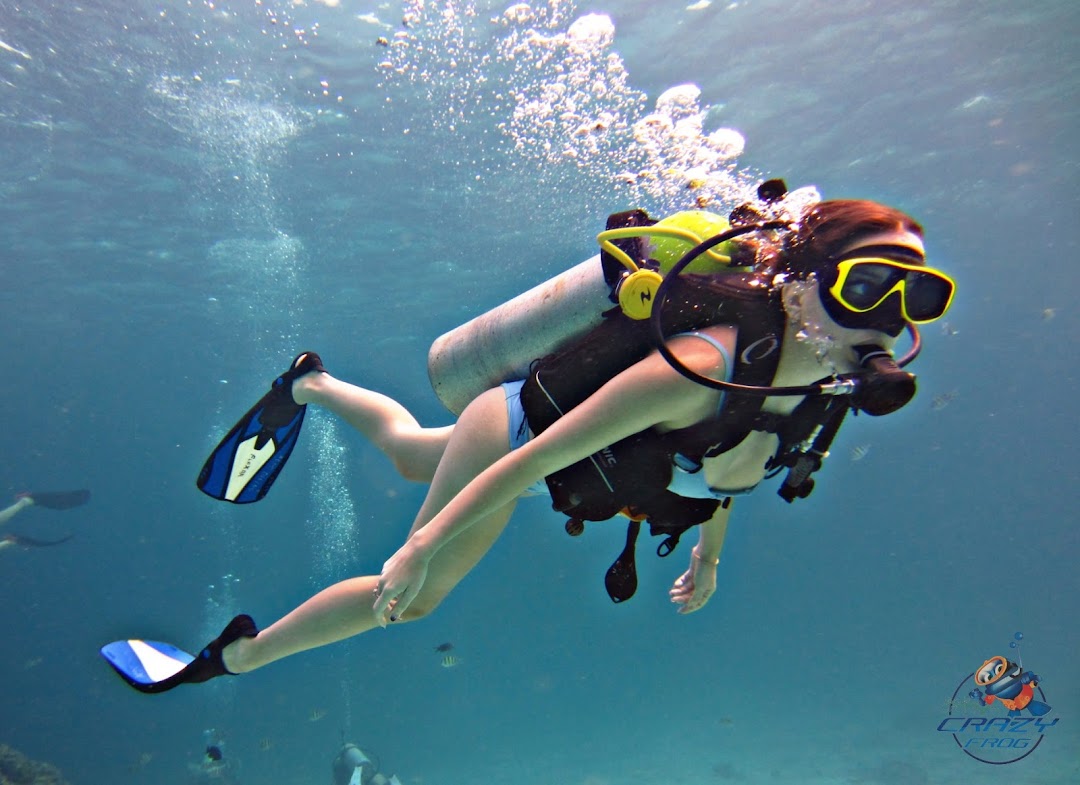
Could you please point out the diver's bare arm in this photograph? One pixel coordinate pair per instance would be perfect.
(694, 587)
(711, 536)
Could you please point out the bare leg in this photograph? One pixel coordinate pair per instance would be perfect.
(345, 609)
(414, 450)
(12, 510)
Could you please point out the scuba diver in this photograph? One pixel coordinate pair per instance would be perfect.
(353, 766)
(212, 765)
(733, 359)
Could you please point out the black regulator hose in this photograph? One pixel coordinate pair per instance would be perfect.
(916, 345)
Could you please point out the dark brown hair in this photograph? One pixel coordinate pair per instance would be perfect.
(829, 227)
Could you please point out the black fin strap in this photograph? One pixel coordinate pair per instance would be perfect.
(209, 664)
(621, 578)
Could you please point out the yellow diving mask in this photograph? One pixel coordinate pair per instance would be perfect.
(863, 283)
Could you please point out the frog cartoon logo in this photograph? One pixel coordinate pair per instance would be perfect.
(978, 726)
(1008, 683)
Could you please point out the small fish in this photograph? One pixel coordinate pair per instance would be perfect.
(450, 661)
(444, 647)
(316, 714)
(859, 452)
(948, 330)
(941, 400)
(1048, 314)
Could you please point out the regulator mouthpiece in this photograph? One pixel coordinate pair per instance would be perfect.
(884, 388)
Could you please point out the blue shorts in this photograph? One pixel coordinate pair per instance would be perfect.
(519, 428)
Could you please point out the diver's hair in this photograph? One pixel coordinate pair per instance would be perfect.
(829, 227)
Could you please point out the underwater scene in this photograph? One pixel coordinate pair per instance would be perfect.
(194, 193)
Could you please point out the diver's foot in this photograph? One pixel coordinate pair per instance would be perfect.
(306, 367)
(210, 662)
(152, 666)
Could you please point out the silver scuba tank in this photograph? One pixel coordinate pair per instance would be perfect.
(499, 346)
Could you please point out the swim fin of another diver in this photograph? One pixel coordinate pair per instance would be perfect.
(153, 666)
(58, 500)
(30, 542)
(245, 464)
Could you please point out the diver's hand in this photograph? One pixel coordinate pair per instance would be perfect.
(402, 576)
(695, 586)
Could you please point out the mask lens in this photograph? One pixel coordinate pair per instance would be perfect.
(926, 296)
(867, 284)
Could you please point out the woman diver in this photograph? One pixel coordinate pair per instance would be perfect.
(846, 277)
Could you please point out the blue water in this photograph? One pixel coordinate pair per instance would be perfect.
(185, 205)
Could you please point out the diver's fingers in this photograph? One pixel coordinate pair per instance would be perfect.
(404, 601)
(383, 598)
(681, 591)
(697, 599)
(683, 586)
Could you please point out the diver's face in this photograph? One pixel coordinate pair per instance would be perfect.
(886, 318)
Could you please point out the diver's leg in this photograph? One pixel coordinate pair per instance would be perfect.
(414, 450)
(346, 608)
(12, 510)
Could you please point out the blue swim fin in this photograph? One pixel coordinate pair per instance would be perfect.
(145, 664)
(245, 464)
(153, 666)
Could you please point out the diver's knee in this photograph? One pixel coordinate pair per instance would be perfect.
(409, 470)
(422, 607)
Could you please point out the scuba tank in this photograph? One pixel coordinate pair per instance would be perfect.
(500, 345)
